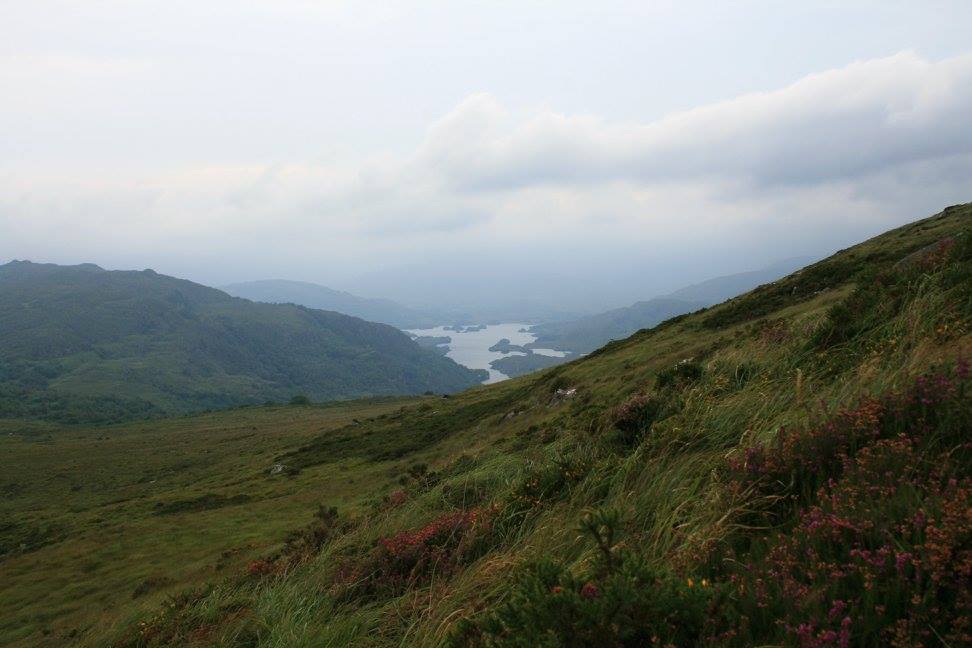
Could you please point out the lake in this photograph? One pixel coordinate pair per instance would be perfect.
(471, 349)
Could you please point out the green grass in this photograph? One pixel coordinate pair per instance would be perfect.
(156, 507)
(530, 457)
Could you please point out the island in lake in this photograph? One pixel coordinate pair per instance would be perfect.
(505, 346)
(518, 365)
(459, 328)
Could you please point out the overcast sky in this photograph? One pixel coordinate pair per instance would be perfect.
(587, 154)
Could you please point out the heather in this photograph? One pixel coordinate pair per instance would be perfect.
(856, 531)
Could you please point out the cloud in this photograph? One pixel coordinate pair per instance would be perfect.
(839, 124)
(824, 161)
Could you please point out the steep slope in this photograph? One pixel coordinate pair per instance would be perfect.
(732, 477)
(585, 334)
(81, 343)
(385, 311)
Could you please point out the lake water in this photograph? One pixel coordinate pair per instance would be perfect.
(472, 349)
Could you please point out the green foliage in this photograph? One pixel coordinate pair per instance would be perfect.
(205, 502)
(82, 345)
(619, 601)
(683, 373)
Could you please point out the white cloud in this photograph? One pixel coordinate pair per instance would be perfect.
(863, 118)
(833, 156)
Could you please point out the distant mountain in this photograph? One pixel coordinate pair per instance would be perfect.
(78, 343)
(585, 334)
(282, 291)
(718, 290)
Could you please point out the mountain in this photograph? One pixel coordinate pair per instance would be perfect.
(719, 289)
(585, 334)
(788, 468)
(81, 343)
(281, 291)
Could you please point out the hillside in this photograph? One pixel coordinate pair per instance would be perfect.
(78, 343)
(385, 311)
(790, 467)
(584, 334)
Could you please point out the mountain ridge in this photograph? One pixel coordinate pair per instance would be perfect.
(588, 333)
(313, 295)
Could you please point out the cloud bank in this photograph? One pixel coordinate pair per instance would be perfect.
(510, 197)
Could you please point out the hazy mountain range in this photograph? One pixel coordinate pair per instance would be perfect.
(585, 334)
(283, 291)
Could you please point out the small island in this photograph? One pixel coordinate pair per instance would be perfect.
(459, 328)
(504, 346)
(519, 365)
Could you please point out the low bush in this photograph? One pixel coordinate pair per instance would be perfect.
(618, 601)
(410, 558)
(683, 373)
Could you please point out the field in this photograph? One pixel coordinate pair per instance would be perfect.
(788, 468)
(101, 523)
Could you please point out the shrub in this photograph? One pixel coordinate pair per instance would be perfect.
(300, 399)
(883, 558)
(684, 372)
(634, 416)
(874, 545)
(409, 558)
(306, 543)
(619, 601)
(791, 468)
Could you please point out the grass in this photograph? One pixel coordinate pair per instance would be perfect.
(504, 510)
(94, 516)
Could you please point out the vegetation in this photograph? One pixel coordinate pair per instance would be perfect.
(82, 345)
(791, 467)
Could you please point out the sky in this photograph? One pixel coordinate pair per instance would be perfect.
(565, 155)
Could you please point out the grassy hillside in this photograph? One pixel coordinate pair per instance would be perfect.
(279, 291)
(80, 344)
(101, 523)
(791, 467)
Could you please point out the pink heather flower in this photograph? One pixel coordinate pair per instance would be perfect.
(901, 561)
(805, 631)
(962, 369)
(837, 608)
(590, 590)
(845, 632)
